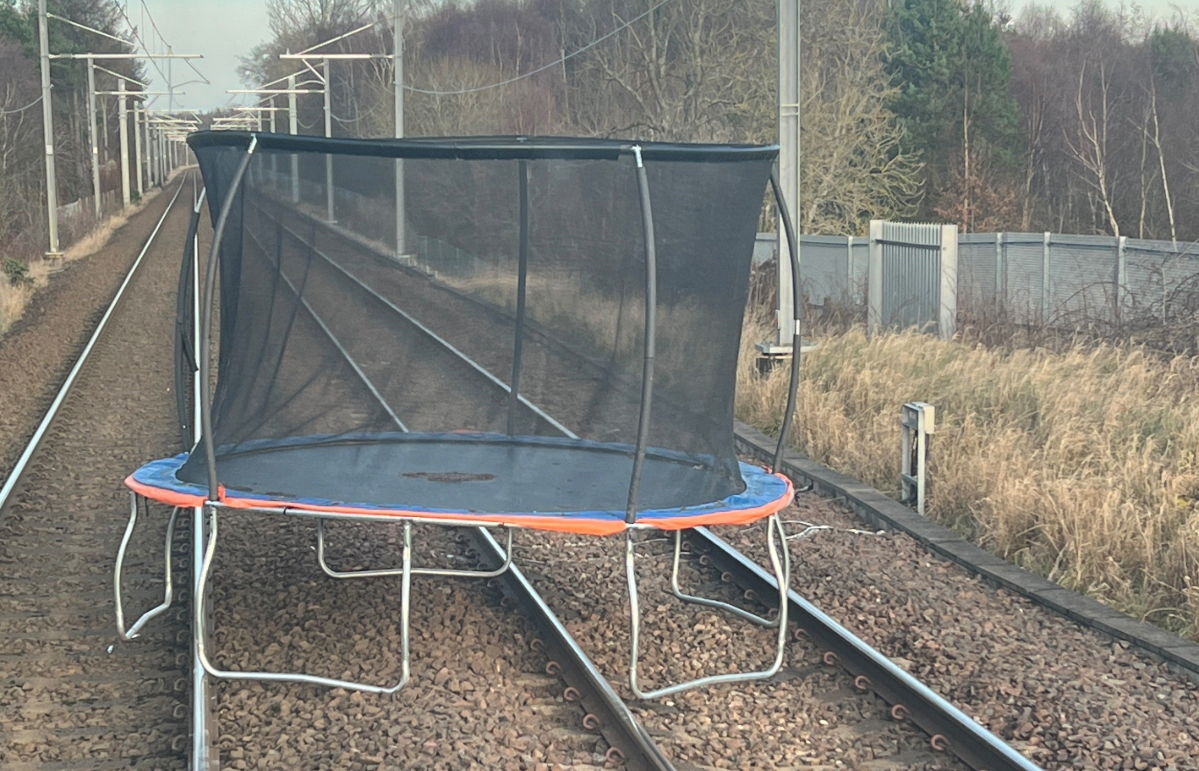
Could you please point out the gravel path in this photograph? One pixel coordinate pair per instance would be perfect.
(1065, 696)
(40, 348)
(71, 695)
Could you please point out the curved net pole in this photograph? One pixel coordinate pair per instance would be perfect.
(651, 310)
(522, 279)
(185, 357)
(793, 249)
(206, 321)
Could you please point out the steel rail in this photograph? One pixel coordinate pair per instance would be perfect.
(948, 726)
(617, 724)
(615, 721)
(952, 730)
(17, 474)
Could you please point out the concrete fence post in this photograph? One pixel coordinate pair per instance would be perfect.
(1045, 288)
(1000, 282)
(874, 278)
(849, 287)
(1121, 274)
(948, 316)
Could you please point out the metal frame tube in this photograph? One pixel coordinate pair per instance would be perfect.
(446, 572)
(206, 322)
(776, 539)
(793, 385)
(522, 277)
(168, 594)
(201, 640)
(651, 333)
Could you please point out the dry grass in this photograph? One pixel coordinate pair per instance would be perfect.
(1080, 464)
(15, 297)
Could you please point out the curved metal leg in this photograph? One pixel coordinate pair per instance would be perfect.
(718, 604)
(776, 538)
(320, 556)
(287, 677)
(168, 593)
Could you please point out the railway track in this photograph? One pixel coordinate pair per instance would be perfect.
(499, 680)
(70, 696)
(369, 275)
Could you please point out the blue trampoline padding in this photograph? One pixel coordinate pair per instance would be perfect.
(467, 478)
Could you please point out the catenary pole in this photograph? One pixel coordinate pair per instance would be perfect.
(137, 145)
(48, 130)
(789, 149)
(91, 133)
(123, 110)
(328, 133)
(292, 126)
(398, 61)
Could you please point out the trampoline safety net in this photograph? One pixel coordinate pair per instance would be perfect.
(488, 353)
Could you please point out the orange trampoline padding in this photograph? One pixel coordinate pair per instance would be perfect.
(534, 482)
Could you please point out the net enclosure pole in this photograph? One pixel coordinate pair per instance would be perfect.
(91, 133)
(793, 254)
(398, 76)
(522, 277)
(328, 133)
(651, 309)
(48, 130)
(123, 104)
(206, 321)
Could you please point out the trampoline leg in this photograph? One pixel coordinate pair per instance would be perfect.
(320, 557)
(782, 571)
(200, 634)
(718, 604)
(168, 592)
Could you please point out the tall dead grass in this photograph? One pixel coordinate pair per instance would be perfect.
(1080, 464)
(85, 237)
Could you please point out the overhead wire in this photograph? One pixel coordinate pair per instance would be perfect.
(545, 67)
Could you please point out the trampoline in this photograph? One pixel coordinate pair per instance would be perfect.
(500, 332)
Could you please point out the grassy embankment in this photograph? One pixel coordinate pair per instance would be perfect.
(1081, 465)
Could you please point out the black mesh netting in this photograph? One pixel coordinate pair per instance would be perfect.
(332, 338)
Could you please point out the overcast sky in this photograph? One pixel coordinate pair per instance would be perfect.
(223, 30)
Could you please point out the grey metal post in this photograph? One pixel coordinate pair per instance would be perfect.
(123, 109)
(1121, 273)
(1000, 282)
(1045, 277)
(874, 278)
(789, 149)
(91, 134)
(328, 157)
(292, 125)
(948, 313)
(398, 61)
(137, 145)
(48, 130)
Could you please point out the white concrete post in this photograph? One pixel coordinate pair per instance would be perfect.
(123, 109)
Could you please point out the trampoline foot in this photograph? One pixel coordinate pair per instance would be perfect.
(776, 541)
(718, 604)
(446, 572)
(168, 591)
(201, 632)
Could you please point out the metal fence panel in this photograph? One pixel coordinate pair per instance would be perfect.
(911, 274)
